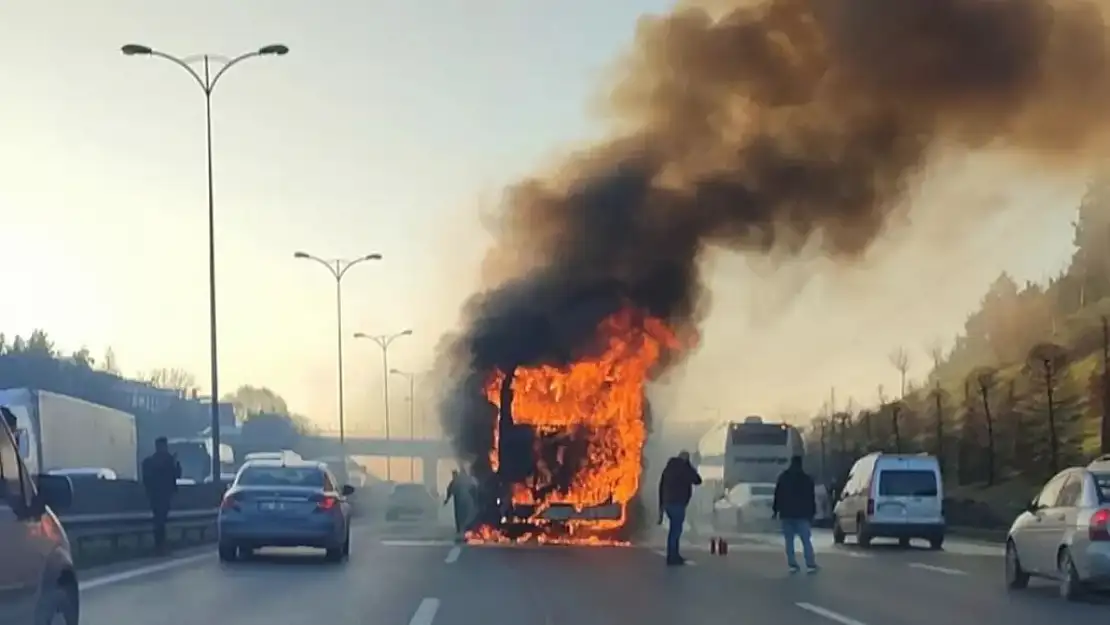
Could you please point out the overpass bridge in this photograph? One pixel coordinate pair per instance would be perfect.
(429, 451)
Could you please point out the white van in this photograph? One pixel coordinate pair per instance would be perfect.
(892, 496)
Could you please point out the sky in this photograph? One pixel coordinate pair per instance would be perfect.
(388, 128)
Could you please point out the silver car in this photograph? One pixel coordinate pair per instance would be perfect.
(1064, 534)
(285, 503)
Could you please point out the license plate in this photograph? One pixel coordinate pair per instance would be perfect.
(270, 506)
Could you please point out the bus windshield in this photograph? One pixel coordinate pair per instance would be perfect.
(759, 434)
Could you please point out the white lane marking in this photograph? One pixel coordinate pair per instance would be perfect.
(935, 569)
(829, 614)
(453, 555)
(142, 571)
(417, 543)
(425, 612)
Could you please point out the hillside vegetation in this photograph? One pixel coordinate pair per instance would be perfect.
(1021, 393)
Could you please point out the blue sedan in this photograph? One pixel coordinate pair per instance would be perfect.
(285, 503)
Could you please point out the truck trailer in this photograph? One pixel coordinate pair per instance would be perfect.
(60, 432)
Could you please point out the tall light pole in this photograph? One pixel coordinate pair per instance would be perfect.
(411, 377)
(384, 341)
(338, 268)
(207, 82)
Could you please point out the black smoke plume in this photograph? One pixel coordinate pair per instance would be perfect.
(766, 128)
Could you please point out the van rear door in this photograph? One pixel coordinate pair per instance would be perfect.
(907, 492)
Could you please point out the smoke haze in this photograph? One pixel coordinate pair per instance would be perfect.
(781, 129)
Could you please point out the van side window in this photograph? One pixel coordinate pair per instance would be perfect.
(12, 491)
(1051, 491)
(1070, 494)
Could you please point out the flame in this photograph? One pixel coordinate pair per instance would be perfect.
(601, 398)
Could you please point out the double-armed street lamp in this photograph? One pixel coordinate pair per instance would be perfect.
(338, 268)
(207, 80)
(384, 341)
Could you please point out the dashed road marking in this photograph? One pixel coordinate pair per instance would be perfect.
(425, 612)
(936, 569)
(829, 614)
(453, 555)
(142, 571)
(416, 543)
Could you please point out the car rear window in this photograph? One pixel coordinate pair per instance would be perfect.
(1102, 480)
(282, 476)
(763, 491)
(907, 483)
(759, 434)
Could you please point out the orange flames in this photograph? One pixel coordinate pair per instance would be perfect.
(600, 398)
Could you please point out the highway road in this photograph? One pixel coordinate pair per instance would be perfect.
(416, 576)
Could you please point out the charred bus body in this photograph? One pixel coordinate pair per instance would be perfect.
(521, 450)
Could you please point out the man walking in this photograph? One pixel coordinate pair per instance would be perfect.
(460, 490)
(795, 506)
(160, 474)
(676, 486)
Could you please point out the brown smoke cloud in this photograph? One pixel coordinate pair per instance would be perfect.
(764, 127)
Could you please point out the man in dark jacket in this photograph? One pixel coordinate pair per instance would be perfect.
(795, 506)
(160, 474)
(676, 486)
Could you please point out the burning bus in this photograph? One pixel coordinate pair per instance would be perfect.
(568, 440)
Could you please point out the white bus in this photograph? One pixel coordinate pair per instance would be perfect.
(750, 451)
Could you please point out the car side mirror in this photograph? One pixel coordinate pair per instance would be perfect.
(1032, 506)
(347, 490)
(55, 492)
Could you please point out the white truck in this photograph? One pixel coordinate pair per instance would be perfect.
(61, 432)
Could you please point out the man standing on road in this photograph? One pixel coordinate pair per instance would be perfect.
(676, 486)
(160, 474)
(795, 506)
(459, 490)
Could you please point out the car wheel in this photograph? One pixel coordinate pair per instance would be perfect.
(228, 553)
(1016, 577)
(838, 533)
(862, 537)
(936, 543)
(1071, 587)
(59, 606)
(347, 545)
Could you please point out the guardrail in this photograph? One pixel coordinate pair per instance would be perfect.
(103, 538)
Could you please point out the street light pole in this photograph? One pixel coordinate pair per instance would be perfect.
(207, 82)
(338, 268)
(411, 377)
(384, 341)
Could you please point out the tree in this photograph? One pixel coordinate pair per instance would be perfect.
(82, 358)
(268, 431)
(900, 358)
(172, 379)
(938, 395)
(109, 364)
(985, 378)
(39, 344)
(1104, 420)
(250, 400)
(1048, 359)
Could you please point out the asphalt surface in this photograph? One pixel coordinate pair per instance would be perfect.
(411, 574)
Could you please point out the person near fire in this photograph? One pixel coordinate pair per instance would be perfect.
(795, 506)
(460, 490)
(676, 487)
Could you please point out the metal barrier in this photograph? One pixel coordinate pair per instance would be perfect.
(193, 526)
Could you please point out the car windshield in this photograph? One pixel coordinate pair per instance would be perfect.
(281, 476)
(1102, 480)
(409, 491)
(907, 483)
